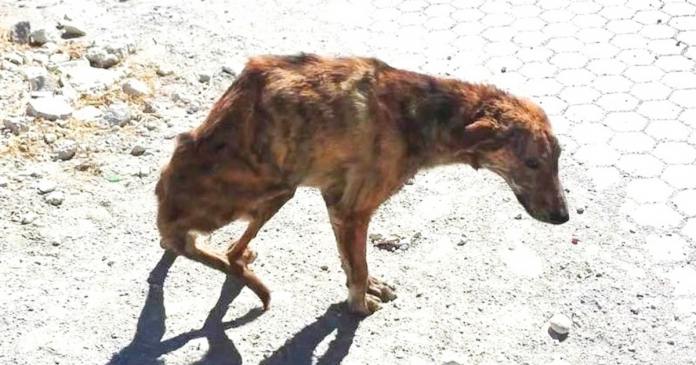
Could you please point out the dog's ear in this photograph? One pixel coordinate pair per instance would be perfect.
(482, 134)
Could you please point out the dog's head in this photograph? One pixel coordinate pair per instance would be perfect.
(512, 137)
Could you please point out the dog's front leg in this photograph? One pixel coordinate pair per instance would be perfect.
(365, 294)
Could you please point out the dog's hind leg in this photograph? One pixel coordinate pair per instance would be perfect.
(185, 244)
(240, 256)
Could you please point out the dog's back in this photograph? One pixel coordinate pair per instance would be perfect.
(300, 118)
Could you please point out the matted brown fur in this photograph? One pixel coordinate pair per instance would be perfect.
(355, 128)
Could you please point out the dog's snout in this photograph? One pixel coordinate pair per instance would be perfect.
(558, 217)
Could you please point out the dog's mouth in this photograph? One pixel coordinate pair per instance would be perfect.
(555, 218)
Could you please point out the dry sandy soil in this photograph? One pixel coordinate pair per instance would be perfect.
(477, 280)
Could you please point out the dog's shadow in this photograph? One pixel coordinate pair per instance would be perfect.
(147, 345)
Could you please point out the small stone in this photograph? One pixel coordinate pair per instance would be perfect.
(87, 113)
(117, 114)
(518, 217)
(164, 70)
(51, 108)
(40, 58)
(324, 267)
(99, 57)
(29, 217)
(375, 236)
(503, 70)
(574, 241)
(581, 210)
(20, 32)
(135, 87)
(560, 324)
(42, 83)
(60, 58)
(72, 30)
(560, 362)
(137, 150)
(46, 186)
(55, 198)
(229, 69)
(14, 58)
(50, 138)
(39, 37)
(150, 108)
(65, 150)
(17, 125)
(204, 77)
(143, 171)
(3, 182)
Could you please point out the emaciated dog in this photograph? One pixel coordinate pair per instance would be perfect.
(357, 129)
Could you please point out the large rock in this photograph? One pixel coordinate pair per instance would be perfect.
(20, 32)
(50, 108)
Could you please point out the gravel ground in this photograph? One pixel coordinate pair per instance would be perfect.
(477, 278)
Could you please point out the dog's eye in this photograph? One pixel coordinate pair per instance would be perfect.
(532, 163)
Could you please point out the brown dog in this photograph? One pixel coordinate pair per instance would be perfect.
(356, 129)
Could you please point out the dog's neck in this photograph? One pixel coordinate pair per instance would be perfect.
(432, 113)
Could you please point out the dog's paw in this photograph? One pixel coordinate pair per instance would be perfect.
(377, 293)
(365, 307)
(381, 290)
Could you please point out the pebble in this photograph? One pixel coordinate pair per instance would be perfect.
(150, 108)
(117, 114)
(581, 210)
(50, 108)
(87, 113)
(3, 182)
(39, 37)
(560, 324)
(55, 198)
(164, 70)
(61, 58)
(42, 83)
(14, 58)
(143, 171)
(65, 149)
(20, 32)
(72, 30)
(46, 186)
(560, 362)
(135, 87)
(41, 58)
(50, 138)
(518, 217)
(29, 217)
(17, 125)
(99, 57)
(204, 77)
(137, 150)
(230, 69)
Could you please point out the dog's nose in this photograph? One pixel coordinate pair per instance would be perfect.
(558, 217)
